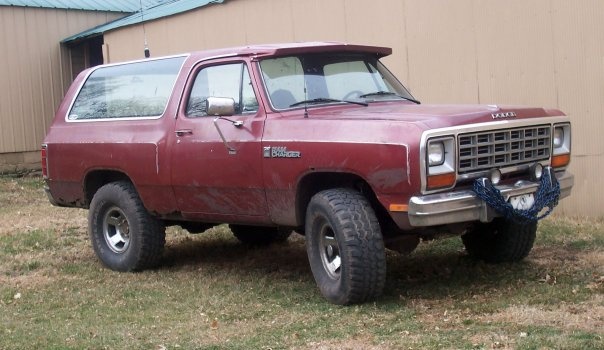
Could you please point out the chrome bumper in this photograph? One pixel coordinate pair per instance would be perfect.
(463, 206)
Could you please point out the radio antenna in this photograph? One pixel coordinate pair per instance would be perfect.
(147, 52)
(305, 91)
(305, 99)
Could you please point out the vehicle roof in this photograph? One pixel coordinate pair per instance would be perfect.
(285, 49)
(267, 50)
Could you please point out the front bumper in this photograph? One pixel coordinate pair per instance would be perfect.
(463, 206)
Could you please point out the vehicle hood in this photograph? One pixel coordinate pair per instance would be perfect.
(432, 116)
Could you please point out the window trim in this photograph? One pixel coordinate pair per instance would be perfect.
(203, 64)
(154, 117)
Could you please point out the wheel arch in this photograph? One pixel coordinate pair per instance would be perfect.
(315, 182)
(96, 179)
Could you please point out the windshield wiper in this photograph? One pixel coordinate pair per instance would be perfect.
(388, 93)
(326, 100)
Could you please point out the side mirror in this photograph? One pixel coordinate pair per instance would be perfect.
(220, 106)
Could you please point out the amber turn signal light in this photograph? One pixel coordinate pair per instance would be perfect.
(399, 207)
(441, 181)
(560, 160)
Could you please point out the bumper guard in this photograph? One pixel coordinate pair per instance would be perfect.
(463, 206)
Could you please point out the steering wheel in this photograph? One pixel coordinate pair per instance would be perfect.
(352, 93)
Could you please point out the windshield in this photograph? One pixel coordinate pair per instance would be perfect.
(329, 78)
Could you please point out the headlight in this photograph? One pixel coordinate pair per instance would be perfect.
(440, 163)
(560, 146)
(436, 153)
(558, 137)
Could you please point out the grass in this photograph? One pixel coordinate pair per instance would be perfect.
(213, 293)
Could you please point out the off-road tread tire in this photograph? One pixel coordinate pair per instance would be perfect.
(147, 234)
(361, 246)
(500, 241)
(258, 235)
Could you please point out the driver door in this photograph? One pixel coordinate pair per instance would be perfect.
(211, 182)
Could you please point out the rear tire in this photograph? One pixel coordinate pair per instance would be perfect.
(345, 246)
(500, 241)
(258, 235)
(125, 237)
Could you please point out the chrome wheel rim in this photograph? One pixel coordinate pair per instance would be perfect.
(330, 252)
(116, 230)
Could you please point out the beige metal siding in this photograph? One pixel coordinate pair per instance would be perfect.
(544, 52)
(35, 70)
(578, 36)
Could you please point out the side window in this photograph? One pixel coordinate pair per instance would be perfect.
(229, 80)
(248, 97)
(133, 90)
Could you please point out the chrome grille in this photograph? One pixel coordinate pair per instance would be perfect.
(501, 148)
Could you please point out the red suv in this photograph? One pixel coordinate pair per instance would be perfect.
(317, 138)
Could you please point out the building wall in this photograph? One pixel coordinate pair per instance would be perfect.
(35, 73)
(541, 52)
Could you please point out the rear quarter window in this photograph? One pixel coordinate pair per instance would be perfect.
(131, 90)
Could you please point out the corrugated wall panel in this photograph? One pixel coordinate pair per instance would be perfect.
(579, 59)
(33, 70)
(11, 93)
(514, 51)
(441, 49)
(382, 24)
(33, 104)
(6, 137)
(306, 29)
(259, 20)
(544, 52)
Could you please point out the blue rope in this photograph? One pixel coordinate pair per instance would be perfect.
(546, 196)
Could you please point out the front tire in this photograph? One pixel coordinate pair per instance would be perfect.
(500, 241)
(345, 246)
(125, 237)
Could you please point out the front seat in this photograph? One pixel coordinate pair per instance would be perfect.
(282, 99)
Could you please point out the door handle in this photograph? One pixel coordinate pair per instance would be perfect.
(184, 132)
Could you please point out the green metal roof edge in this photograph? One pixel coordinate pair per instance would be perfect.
(85, 5)
(152, 13)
